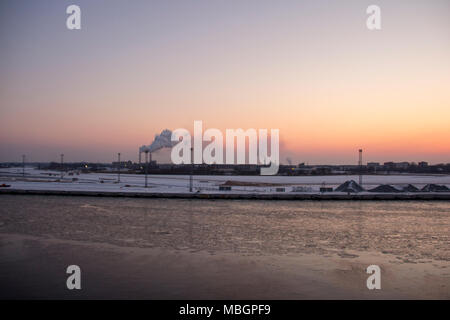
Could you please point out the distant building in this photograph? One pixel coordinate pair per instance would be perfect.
(373, 164)
(396, 165)
(123, 164)
(423, 164)
(401, 165)
(389, 165)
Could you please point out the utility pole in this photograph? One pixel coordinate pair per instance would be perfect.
(118, 169)
(192, 170)
(146, 167)
(360, 167)
(62, 165)
(23, 165)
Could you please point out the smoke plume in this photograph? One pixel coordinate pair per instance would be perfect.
(160, 141)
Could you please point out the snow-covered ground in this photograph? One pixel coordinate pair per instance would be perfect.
(47, 180)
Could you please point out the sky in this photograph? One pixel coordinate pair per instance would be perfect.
(311, 69)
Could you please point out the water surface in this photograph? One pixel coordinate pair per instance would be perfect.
(211, 248)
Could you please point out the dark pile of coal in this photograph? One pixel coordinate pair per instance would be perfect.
(384, 188)
(435, 188)
(409, 188)
(349, 186)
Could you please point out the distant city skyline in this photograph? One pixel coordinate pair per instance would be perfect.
(162, 156)
(308, 68)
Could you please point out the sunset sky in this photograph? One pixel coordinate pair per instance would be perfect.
(311, 69)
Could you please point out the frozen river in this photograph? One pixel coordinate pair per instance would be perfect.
(160, 248)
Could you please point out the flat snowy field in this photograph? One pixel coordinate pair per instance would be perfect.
(45, 180)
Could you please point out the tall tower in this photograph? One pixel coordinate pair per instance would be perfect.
(146, 167)
(360, 167)
(23, 165)
(192, 170)
(118, 167)
(62, 165)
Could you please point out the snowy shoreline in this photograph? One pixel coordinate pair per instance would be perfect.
(43, 182)
(238, 196)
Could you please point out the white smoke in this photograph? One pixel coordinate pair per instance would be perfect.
(161, 141)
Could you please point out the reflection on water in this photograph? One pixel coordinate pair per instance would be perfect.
(414, 230)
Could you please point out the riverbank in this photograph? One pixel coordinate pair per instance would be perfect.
(43, 182)
(236, 196)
